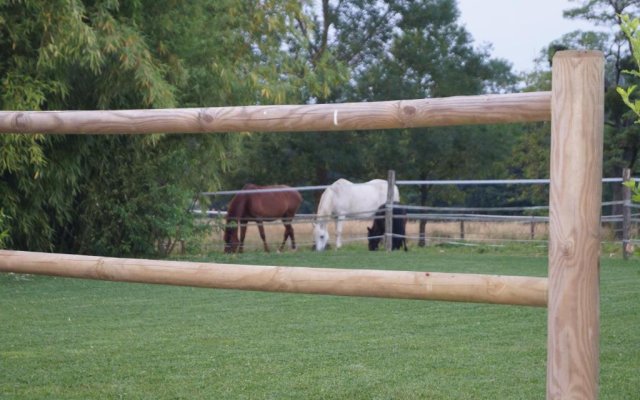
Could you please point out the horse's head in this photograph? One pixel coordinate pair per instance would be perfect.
(374, 238)
(320, 236)
(231, 241)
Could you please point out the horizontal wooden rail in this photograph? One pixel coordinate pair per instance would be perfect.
(485, 109)
(529, 291)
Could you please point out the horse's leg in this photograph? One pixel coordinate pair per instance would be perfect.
(286, 235)
(339, 222)
(292, 236)
(243, 233)
(404, 230)
(288, 232)
(262, 235)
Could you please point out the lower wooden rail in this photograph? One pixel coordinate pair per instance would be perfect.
(517, 290)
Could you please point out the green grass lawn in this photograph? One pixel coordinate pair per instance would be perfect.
(77, 339)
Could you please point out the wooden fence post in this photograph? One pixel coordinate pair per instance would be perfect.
(388, 215)
(532, 228)
(422, 226)
(577, 123)
(626, 214)
(422, 234)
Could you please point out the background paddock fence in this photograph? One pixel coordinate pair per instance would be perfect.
(575, 107)
(504, 224)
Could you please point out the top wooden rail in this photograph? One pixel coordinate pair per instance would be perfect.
(461, 110)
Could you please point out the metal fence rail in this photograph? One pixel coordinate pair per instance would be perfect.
(462, 215)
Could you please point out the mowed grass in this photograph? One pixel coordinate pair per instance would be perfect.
(77, 339)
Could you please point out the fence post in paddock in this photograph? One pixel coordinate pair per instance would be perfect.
(422, 226)
(388, 214)
(532, 229)
(577, 124)
(461, 229)
(626, 214)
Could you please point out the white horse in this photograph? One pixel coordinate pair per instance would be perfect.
(344, 198)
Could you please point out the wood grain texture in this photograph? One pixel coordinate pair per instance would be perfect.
(577, 125)
(487, 109)
(530, 291)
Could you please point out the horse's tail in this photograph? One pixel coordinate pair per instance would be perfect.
(325, 204)
(293, 201)
(402, 224)
(237, 208)
(396, 193)
(297, 199)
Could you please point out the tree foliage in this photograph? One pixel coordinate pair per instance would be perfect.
(392, 50)
(121, 195)
(631, 28)
(621, 136)
(126, 195)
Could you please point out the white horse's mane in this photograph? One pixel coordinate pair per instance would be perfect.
(325, 207)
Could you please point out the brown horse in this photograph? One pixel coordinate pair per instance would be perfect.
(259, 207)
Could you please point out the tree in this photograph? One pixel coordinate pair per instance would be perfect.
(622, 136)
(126, 195)
(392, 50)
(430, 55)
(631, 29)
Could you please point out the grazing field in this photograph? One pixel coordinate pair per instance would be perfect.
(356, 232)
(63, 338)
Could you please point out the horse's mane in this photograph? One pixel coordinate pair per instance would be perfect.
(341, 181)
(325, 207)
(326, 200)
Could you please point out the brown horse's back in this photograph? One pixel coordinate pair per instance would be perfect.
(269, 205)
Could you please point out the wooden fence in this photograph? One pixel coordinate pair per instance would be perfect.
(576, 109)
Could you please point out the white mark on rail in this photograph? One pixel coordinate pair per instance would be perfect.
(335, 117)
